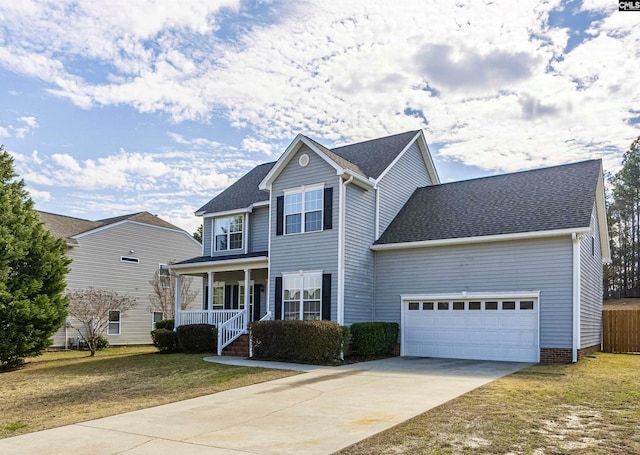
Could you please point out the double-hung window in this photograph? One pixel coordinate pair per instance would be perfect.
(302, 296)
(164, 276)
(113, 327)
(228, 233)
(303, 210)
(218, 295)
(157, 317)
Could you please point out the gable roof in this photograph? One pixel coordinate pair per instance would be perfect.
(375, 155)
(241, 194)
(553, 198)
(66, 227)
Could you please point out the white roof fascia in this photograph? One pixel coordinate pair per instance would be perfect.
(426, 156)
(291, 150)
(480, 239)
(227, 213)
(601, 210)
(257, 262)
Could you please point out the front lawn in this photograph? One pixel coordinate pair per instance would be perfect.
(60, 388)
(592, 407)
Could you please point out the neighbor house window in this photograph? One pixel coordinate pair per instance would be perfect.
(303, 210)
(164, 276)
(114, 323)
(157, 317)
(228, 233)
(302, 296)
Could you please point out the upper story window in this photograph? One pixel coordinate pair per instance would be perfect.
(164, 276)
(228, 233)
(303, 210)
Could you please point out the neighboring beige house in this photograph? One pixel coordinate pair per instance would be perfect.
(121, 254)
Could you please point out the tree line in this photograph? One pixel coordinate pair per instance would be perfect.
(621, 278)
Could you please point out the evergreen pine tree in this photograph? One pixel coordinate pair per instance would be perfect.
(32, 270)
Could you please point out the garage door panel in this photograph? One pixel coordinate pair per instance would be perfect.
(491, 334)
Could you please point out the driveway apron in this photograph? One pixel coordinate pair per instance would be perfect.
(317, 412)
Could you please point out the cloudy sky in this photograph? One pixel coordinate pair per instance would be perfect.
(112, 107)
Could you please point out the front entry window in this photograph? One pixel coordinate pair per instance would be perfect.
(302, 296)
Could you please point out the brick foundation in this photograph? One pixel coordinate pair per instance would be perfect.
(556, 355)
(588, 351)
(563, 355)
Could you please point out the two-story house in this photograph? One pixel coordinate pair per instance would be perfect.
(506, 267)
(121, 254)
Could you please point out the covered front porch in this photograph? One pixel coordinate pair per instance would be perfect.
(234, 293)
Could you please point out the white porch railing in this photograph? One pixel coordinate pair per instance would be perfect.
(231, 329)
(215, 317)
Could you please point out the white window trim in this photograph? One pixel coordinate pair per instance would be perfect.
(119, 322)
(214, 244)
(160, 266)
(302, 274)
(303, 189)
(251, 294)
(218, 284)
(153, 319)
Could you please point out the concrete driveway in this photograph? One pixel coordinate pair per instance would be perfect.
(317, 412)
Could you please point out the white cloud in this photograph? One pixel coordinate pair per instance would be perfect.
(24, 126)
(39, 196)
(4, 132)
(490, 82)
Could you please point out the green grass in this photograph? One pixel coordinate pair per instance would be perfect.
(592, 407)
(60, 388)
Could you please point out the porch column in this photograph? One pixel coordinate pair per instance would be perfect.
(247, 293)
(178, 300)
(210, 297)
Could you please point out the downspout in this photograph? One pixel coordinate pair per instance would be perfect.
(576, 296)
(341, 231)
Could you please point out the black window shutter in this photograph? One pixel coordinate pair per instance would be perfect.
(326, 296)
(227, 297)
(328, 209)
(279, 215)
(278, 300)
(236, 301)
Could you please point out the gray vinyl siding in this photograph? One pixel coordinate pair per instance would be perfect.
(259, 230)
(312, 250)
(399, 183)
(207, 230)
(534, 265)
(358, 260)
(591, 287)
(96, 263)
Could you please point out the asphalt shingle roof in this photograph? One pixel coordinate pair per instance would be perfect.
(242, 193)
(368, 159)
(65, 227)
(559, 197)
(375, 155)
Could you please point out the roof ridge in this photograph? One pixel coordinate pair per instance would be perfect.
(375, 139)
(574, 163)
(66, 216)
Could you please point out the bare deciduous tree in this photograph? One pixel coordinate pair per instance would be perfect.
(92, 309)
(164, 291)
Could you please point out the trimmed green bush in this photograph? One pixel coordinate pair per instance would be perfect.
(165, 340)
(374, 338)
(165, 324)
(315, 342)
(101, 342)
(197, 337)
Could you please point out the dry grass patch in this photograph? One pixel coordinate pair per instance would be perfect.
(592, 407)
(60, 388)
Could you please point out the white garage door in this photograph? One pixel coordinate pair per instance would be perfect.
(488, 328)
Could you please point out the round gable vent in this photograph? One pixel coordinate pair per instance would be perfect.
(303, 160)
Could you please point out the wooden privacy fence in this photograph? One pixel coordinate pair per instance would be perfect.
(621, 331)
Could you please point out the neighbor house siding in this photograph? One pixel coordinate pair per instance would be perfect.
(96, 263)
(307, 251)
(399, 183)
(535, 265)
(358, 257)
(259, 229)
(591, 287)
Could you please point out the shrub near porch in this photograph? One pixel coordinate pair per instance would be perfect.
(297, 341)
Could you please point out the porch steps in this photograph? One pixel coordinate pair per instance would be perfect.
(239, 347)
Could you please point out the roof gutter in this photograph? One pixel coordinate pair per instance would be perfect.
(480, 239)
(357, 179)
